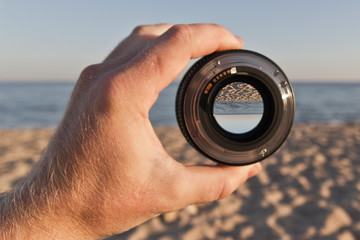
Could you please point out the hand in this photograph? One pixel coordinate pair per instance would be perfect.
(105, 171)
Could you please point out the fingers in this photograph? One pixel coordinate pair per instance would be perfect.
(168, 55)
(208, 183)
(145, 63)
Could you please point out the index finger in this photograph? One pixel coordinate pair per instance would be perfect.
(165, 57)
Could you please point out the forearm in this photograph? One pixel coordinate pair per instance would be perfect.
(21, 223)
(41, 206)
(19, 208)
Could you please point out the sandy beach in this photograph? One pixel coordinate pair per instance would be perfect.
(309, 189)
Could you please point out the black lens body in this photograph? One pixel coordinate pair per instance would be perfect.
(195, 106)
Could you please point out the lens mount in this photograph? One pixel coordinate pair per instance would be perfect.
(196, 98)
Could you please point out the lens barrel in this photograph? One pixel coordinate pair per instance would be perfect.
(236, 82)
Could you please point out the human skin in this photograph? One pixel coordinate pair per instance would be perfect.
(105, 170)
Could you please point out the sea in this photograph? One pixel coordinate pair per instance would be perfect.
(39, 104)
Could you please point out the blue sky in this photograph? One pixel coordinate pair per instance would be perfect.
(54, 40)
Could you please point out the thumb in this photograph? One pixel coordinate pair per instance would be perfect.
(208, 183)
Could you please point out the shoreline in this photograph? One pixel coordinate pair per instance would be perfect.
(309, 189)
(176, 126)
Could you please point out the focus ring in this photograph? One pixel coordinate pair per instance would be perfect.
(181, 94)
(195, 101)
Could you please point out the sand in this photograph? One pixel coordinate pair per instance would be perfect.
(309, 189)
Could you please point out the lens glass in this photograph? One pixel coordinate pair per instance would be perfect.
(238, 108)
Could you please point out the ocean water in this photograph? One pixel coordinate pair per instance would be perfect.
(25, 105)
(32, 105)
(238, 107)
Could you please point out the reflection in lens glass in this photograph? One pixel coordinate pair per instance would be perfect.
(238, 107)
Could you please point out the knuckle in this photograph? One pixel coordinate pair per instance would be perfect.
(156, 29)
(218, 27)
(217, 192)
(140, 29)
(226, 189)
(215, 25)
(180, 32)
(226, 186)
(91, 72)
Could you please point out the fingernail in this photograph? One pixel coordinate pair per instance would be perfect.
(254, 170)
(240, 40)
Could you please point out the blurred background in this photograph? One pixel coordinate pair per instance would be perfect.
(310, 189)
(45, 45)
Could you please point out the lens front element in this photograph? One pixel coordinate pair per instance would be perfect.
(238, 108)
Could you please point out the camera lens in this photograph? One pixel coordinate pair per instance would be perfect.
(236, 107)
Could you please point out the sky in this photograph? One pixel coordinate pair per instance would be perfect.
(314, 40)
